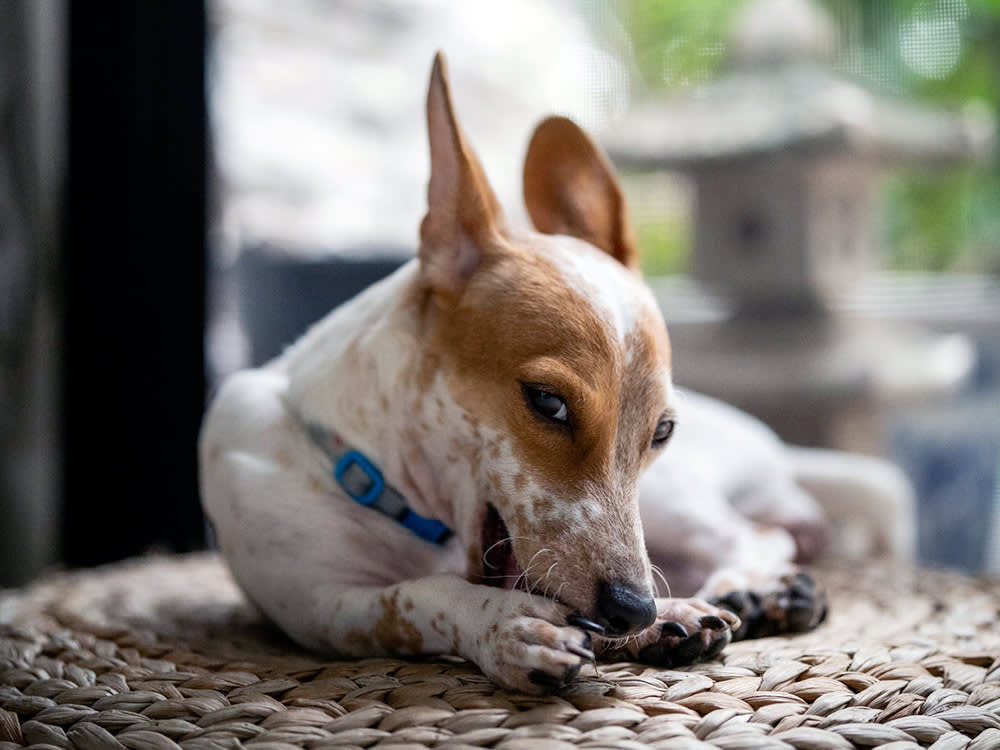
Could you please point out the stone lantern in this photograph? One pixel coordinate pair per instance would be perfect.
(784, 154)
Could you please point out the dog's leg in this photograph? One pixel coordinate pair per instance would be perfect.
(518, 639)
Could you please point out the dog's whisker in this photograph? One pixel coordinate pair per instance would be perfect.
(532, 586)
(498, 543)
(547, 578)
(658, 573)
(506, 540)
(580, 651)
(559, 592)
(525, 574)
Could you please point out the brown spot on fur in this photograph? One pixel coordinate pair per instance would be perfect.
(314, 483)
(472, 454)
(283, 458)
(394, 632)
(521, 518)
(495, 479)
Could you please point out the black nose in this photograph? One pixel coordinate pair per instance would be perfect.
(624, 609)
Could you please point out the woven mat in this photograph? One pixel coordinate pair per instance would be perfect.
(164, 653)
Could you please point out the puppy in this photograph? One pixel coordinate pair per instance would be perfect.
(451, 461)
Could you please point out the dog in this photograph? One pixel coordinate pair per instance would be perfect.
(454, 462)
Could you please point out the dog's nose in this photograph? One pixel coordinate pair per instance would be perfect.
(625, 609)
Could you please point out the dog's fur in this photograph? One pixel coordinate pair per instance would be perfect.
(435, 375)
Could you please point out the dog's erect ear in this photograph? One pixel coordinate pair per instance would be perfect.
(463, 215)
(570, 188)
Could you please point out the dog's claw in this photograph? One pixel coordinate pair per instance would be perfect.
(675, 629)
(579, 621)
(547, 682)
(711, 622)
(580, 651)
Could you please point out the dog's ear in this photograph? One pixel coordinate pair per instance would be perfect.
(463, 217)
(570, 188)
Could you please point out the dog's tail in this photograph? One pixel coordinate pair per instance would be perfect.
(869, 502)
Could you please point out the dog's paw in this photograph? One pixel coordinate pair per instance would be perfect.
(530, 654)
(685, 631)
(796, 603)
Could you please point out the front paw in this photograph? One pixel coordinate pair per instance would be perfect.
(685, 631)
(528, 653)
(795, 603)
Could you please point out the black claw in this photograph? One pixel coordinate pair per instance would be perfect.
(798, 590)
(673, 629)
(744, 605)
(712, 622)
(579, 621)
(544, 680)
(583, 653)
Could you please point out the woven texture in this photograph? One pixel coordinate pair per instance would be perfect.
(164, 653)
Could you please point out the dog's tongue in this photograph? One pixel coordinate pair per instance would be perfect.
(500, 566)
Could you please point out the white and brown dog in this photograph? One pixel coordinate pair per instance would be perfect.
(452, 462)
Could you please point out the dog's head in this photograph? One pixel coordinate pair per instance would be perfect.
(557, 356)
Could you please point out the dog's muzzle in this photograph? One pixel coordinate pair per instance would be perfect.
(623, 609)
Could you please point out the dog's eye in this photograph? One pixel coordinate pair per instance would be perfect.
(549, 405)
(663, 432)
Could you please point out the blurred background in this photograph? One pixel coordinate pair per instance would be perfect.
(185, 186)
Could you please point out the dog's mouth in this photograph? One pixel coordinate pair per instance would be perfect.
(500, 566)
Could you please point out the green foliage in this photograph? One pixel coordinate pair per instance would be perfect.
(665, 243)
(931, 220)
(949, 220)
(677, 44)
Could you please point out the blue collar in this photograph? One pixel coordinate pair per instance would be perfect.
(364, 483)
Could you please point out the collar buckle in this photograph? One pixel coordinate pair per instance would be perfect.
(356, 486)
(364, 483)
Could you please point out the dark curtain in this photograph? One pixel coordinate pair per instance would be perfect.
(134, 278)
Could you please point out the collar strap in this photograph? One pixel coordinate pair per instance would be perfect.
(364, 483)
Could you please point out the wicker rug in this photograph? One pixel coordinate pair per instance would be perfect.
(164, 653)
